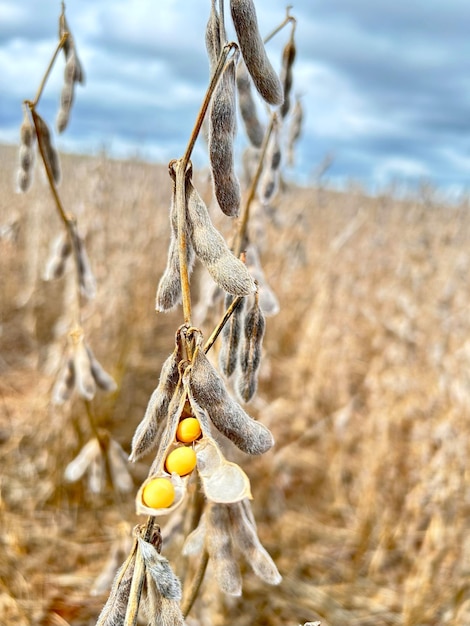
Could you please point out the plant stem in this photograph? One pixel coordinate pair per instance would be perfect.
(137, 585)
(207, 98)
(216, 332)
(286, 21)
(245, 214)
(59, 47)
(189, 600)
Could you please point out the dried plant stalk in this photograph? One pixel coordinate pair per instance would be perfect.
(222, 129)
(254, 54)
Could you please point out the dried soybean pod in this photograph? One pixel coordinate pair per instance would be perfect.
(250, 353)
(254, 54)
(294, 130)
(85, 275)
(114, 611)
(208, 390)
(254, 128)
(169, 287)
(269, 182)
(65, 383)
(51, 155)
(70, 50)
(231, 333)
(59, 254)
(213, 37)
(220, 548)
(288, 58)
(228, 272)
(246, 538)
(85, 382)
(104, 380)
(146, 432)
(222, 129)
(26, 154)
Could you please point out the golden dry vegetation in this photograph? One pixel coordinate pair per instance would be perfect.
(363, 503)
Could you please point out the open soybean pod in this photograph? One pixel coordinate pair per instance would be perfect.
(254, 54)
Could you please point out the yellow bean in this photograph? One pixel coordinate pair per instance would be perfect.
(181, 460)
(159, 493)
(188, 430)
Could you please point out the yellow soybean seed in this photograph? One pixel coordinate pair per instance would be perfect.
(188, 430)
(159, 493)
(182, 461)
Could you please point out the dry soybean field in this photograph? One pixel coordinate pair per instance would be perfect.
(363, 502)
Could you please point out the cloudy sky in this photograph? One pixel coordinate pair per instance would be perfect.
(385, 84)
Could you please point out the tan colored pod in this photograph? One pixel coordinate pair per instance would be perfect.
(254, 128)
(210, 247)
(254, 54)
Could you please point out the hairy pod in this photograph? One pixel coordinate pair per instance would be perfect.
(254, 54)
(70, 51)
(213, 37)
(269, 182)
(250, 353)
(220, 548)
(230, 336)
(114, 611)
(226, 414)
(104, 380)
(222, 129)
(84, 379)
(145, 435)
(51, 155)
(244, 533)
(59, 254)
(26, 154)
(85, 275)
(254, 128)
(169, 286)
(288, 58)
(295, 129)
(119, 468)
(65, 383)
(167, 584)
(210, 247)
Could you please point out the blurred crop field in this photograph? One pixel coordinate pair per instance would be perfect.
(364, 502)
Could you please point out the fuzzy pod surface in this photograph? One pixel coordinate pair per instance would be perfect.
(253, 51)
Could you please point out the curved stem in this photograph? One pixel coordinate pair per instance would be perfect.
(196, 582)
(207, 98)
(59, 47)
(245, 214)
(286, 21)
